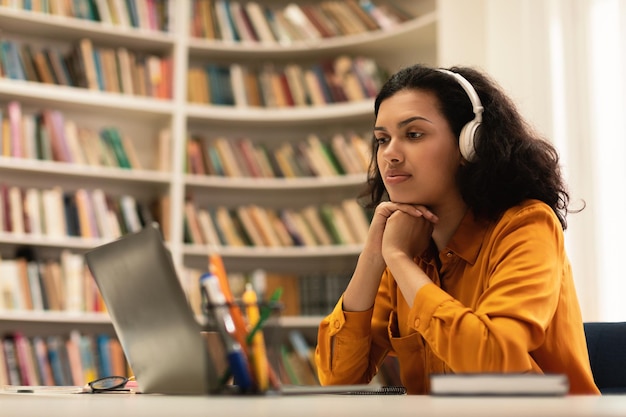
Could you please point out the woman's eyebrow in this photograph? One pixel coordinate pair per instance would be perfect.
(404, 122)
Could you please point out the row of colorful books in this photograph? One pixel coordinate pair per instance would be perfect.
(310, 294)
(56, 213)
(71, 360)
(114, 70)
(272, 85)
(77, 358)
(47, 135)
(344, 223)
(250, 21)
(140, 14)
(65, 284)
(342, 154)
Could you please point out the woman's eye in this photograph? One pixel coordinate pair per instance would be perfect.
(414, 135)
(381, 141)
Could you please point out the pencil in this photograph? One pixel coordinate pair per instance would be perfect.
(259, 354)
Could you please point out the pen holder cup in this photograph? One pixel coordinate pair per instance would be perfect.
(245, 363)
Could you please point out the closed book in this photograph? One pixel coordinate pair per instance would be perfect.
(206, 20)
(88, 63)
(25, 359)
(58, 67)
(113, 139)
(488, 384)
(26, 58)
(259, 22)
(4, 373)
(59, 363)
(104, 364)
(43, 363)
(10, 357)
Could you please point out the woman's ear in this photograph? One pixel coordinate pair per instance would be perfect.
(462, 161)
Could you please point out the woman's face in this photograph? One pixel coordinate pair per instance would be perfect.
(418, 155)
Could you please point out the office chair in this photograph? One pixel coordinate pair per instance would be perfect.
(606, 343)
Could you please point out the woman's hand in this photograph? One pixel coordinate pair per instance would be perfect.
(383, 213)
(407, 231)
(361, 291)
(406, 236)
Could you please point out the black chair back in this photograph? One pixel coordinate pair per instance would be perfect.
(606, 342)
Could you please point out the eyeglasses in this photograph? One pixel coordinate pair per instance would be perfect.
(109, 383)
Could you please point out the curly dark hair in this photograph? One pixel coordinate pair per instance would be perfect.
(512, 162)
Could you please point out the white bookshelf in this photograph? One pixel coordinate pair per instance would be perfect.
(414, 41)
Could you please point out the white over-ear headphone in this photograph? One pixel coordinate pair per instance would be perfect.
(469, 133)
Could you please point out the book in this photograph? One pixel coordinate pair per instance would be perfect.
(499, 384)
(259, 23)
(11, 361)
(43, 363)
(191, 217)
(86, 52)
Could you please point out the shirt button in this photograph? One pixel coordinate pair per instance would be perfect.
(417, 323)
(337, 324)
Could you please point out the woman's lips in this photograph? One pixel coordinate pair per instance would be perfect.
(396, 178)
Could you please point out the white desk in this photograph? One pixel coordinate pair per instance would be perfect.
(120, 405)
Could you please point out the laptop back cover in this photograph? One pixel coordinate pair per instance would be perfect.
(155, 325)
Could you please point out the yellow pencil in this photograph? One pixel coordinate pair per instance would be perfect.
(259, 356)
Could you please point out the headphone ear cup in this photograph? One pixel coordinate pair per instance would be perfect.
(469, 135)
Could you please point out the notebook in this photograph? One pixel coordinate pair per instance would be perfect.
(491, 384)
(156, 327)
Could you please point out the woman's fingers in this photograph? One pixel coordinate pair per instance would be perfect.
(417, 210)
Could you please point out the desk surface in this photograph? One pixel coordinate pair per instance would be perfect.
(119, 405)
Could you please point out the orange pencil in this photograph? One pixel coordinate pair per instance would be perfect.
(216, 266)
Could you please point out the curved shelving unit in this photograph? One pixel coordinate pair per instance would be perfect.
(146, 117)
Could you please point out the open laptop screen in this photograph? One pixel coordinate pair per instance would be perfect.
(155, 325)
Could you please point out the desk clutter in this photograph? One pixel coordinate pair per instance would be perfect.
(241, 344)
(256, 354)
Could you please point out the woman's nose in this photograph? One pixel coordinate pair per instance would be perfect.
(392, 154)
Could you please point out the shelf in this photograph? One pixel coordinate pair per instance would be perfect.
(73, 98)
(66, 242)
(300, 321)
(421, 32)
(43, 25)
(60, 169)
(282, 252)
(274, 184)
(285, 117)
(299, 260)
(53, 317)
(27, 318)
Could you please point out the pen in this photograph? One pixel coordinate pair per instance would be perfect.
(259, 355)
(266, 312)
(216, 267)
(226, 327)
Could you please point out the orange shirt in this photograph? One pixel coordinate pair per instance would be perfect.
(503, 300)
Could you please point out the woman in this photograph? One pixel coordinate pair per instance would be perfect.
(464, 268)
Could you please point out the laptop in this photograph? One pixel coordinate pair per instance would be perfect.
(155, 325)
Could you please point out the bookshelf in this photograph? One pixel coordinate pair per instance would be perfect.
(144, 119)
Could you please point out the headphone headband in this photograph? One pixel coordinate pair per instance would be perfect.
(470, 132)
(477, 106)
